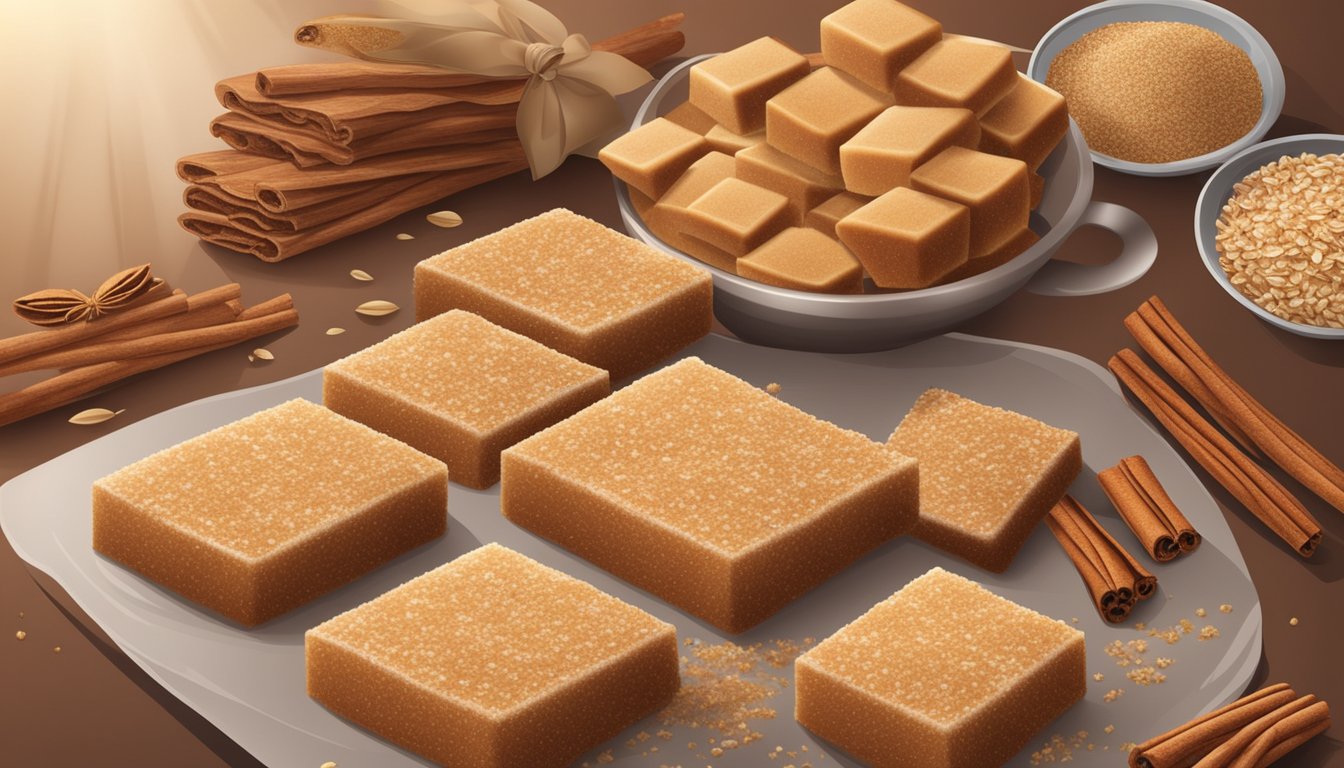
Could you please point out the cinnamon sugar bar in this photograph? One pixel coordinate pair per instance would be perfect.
(260, 516)
(709, 492)
(576, 286)
(987, 476)
(493, 661)
(944, 671)
(461, 389)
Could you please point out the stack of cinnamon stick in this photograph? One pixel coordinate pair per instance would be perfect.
(321, 151)
(1247, 426)
(162, 328)
(1253, 731)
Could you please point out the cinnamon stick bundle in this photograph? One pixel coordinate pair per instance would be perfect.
(1176, 351)
(1147, 509)
(235, 234)
(1114, 579)
(302, 114)
(1256, 489)
(1251, 732)
(251, 213)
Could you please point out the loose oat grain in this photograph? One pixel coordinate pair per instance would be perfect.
(1281, 239)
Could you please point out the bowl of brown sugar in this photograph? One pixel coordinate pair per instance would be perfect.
(1270, 227)
(1162, 87)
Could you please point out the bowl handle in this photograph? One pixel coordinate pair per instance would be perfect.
(1138, 251)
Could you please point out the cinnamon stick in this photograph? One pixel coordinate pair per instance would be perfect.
(37, 342)
(1184, 745)
(205, 319)
(1176, 351)
(1114, 579)
(1256, 489)
(76, 383)
(1147, 509)
(645, 45)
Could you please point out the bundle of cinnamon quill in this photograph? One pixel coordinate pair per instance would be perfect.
(1253, 731)
(1114, 579)
(322, 151)
(130, 325)
(1242, 417)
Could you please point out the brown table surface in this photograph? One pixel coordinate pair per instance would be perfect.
(89, 705)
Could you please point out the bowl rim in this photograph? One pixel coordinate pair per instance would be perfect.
(1206, 208)
(1274, 89)
(1020, 267)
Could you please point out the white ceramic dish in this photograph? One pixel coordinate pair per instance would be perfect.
(1228, 25)
(779, 317)
(1218, 190)
(250, 684)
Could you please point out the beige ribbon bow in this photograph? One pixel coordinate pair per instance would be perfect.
(569, 100)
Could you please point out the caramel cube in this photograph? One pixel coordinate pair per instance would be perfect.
(882, 155)
(1010, 250)
(805, 186)
(996, 189)
(691, 117)
(958, 73)
(733, 87)
(461, 389)
(736, 216)
(493, 661)
(986, 475)
(652, 156)
(258, 517)
(873, 40)
(944, 670)
(907, 239)
(709, 492)
(824, 217)
(723, 140)
(804, 260)
(1026, 124)
(670, 210)
(576, 286)
(813, 117)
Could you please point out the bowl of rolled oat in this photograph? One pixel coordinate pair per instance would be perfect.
(1270, 226)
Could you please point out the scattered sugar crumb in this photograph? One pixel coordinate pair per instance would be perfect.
(1225, 608)
(1291, 622)
(773, 388)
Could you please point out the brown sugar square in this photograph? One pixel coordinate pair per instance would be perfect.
(670, 210)
(723, 140)
(576, 286)
(805, 186)
(824, 217)
(907, 239)
(873, 40)
(958, 73)
(813, 117)
(708, 492)
(461, 389)
(986, 475)
(733, 87)
(1027, 124)
(258, 517)
(882, 155)
(804, 260)
(652, 156)
(944, 669)
(493, 661)
(736, 216)
(691, 117)
(997, 190)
